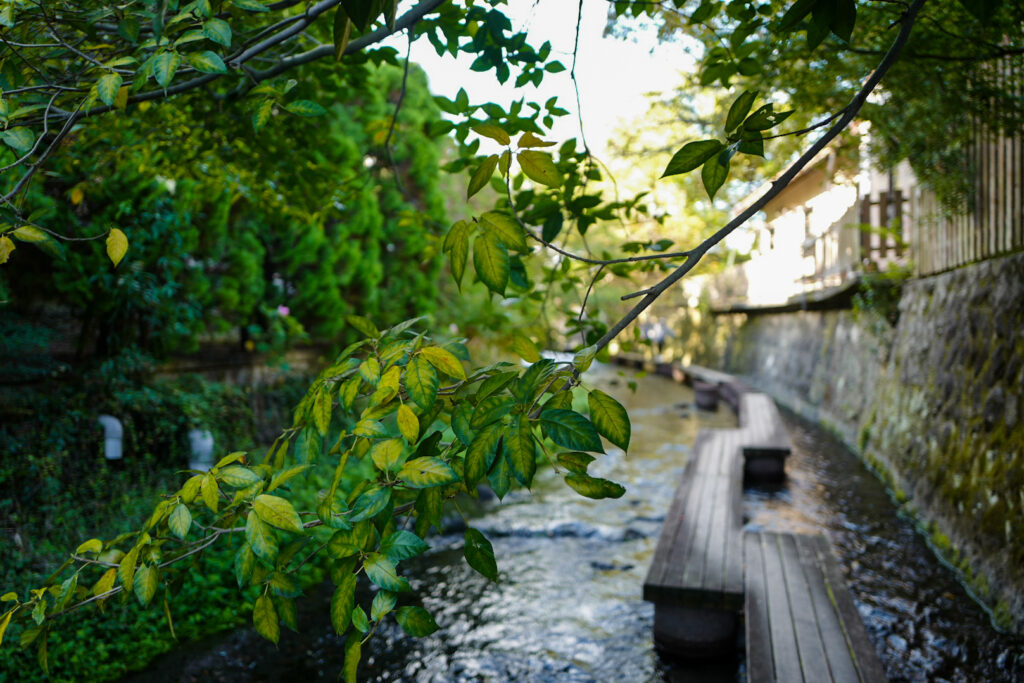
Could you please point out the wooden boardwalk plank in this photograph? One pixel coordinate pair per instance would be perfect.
(801, 622)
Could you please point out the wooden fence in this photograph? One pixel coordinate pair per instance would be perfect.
(992, 222)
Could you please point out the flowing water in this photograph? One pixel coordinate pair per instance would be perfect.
(568, 606)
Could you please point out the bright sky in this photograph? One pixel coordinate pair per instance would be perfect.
(613, 74)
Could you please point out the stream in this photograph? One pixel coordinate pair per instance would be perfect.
(568, 606)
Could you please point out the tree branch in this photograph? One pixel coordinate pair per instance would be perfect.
(849, 112)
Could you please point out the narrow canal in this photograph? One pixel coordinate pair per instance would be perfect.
(568, 606)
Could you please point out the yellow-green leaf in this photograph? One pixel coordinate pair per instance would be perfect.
(528, 140)
(408, 423)
(264, 618)
(117, 246)
(525, 348)
(6, 248)
(444, 360)
(277, 512)
(489, 130)
(456, 245)
(180, 521)
(190, 489)
(261, 538)
(539, 167)
(610, 418)
(126, 568)
(363, 325)
(146, 580)
(584, 357)
(342, 33)
(207, 62)
(93, 545)
(342, 603)
(208, 489)
(506, 228)
(165, 65)
(426, 472)
(4, 622)
(353, 651)
(482, 175)
(491, 260)
(106, 582)
(238, 477)
(107, 88)
(385, 454)
(421, 382)
(594, 487)
(322, 410)
(370, 370)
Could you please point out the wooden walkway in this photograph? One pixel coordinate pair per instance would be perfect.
(800, 621)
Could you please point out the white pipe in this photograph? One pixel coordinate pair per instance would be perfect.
(113, 437)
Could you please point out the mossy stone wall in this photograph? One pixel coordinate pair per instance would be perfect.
(935, 404)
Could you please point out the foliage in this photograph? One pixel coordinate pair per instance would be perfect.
(402, 424)
(959, 70)
(227, 234)
(878, 294)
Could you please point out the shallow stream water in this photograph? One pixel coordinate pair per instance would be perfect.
(569, 608)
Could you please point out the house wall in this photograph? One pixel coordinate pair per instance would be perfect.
(934, 404)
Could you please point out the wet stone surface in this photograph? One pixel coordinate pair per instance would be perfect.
(568, 606)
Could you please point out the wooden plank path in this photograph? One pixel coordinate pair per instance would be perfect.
(801, 623)
(696, 578)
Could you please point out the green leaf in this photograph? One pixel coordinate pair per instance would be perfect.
(369, 503)
(481, 453)
(4, 622)
(342, 32)
(261, 537)
(797, 11)
(107, 88)
(363, 325)
(322, 410)
(180, 521)
(381, 571)
(342, 602)
(209, 491)
(539, 167)
(238, 477)
(692, 155)
(277, 512)
(264, 618)
(421, 382)
(521, 451)
(250, 6)
(218, 31)
(262, 113)
(370, 429)
(570, 430)
(362, 12)
(489, 130)
(456, 245)
(353, 651)
(714, 173)
(284, 585)
(524, 347)
(610, 418)
(444, 360)
(402, 545)
(482, 175)
(592, 487)
(500, 474)
(490, 410)
(575, 461)
(506, 228)
(93, 545)
(245, 563)
(426, 472)
(165, 65)
(480, 554)
(19, 139)
(145, 583)
(370, 370)
(348, 542)
(382, 605)
(117, 246)
(490, 258)
(844, 16)
(386, 454)
(415, 621)
(305, 108)
(739, 110)
(208, 62)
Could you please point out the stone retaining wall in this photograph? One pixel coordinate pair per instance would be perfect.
(934, 404)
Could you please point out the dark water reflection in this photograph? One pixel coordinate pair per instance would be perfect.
(568, 606)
